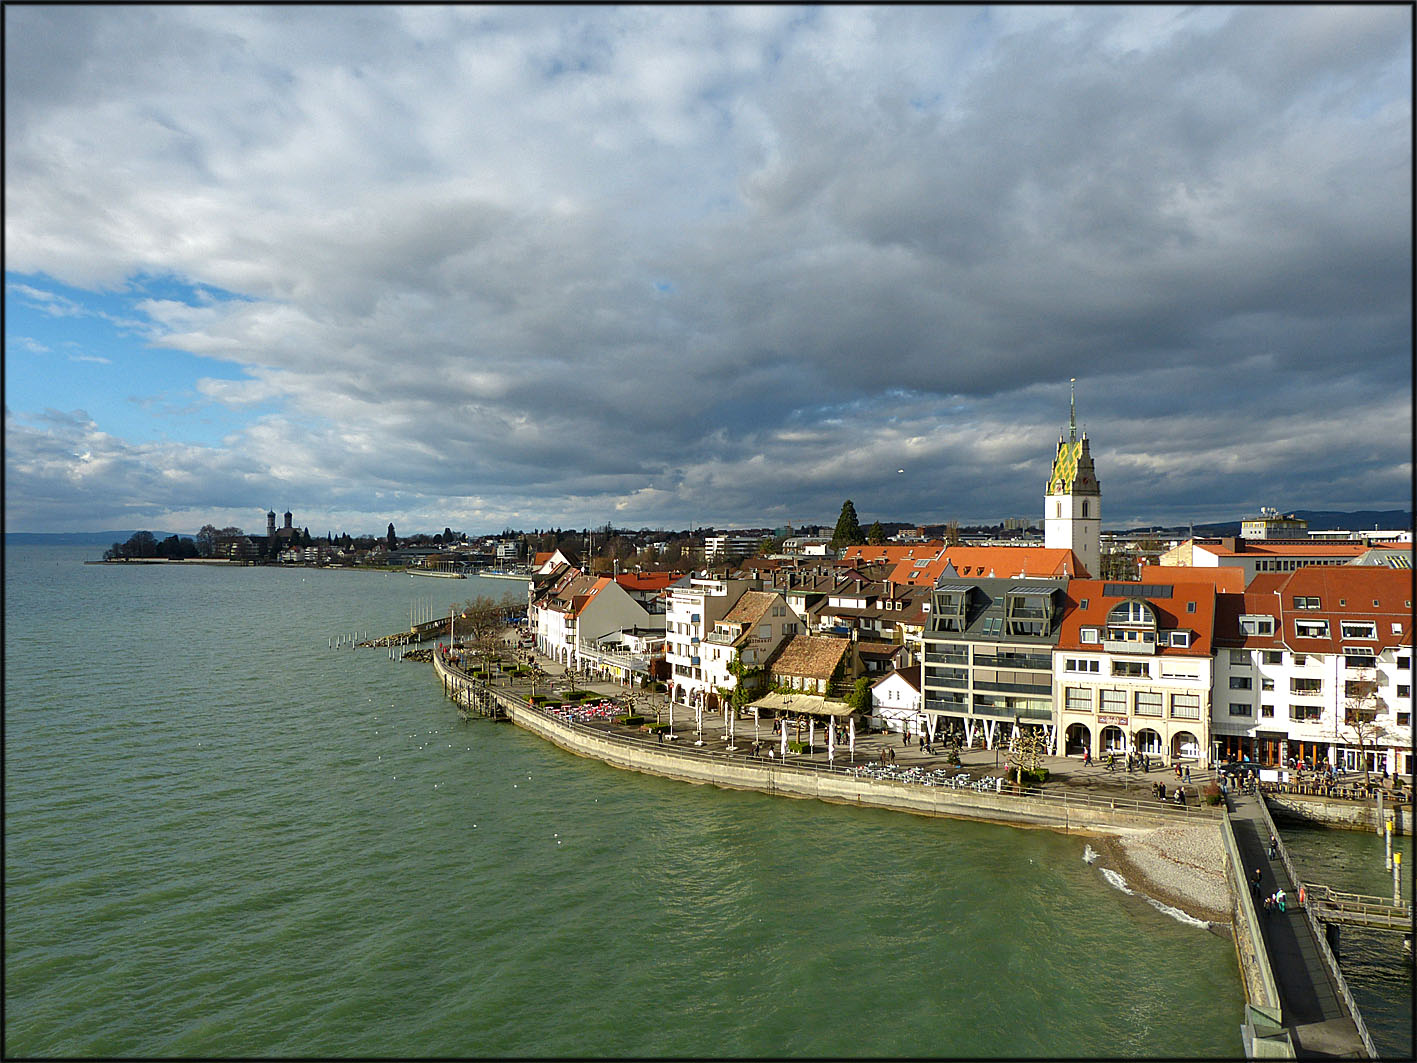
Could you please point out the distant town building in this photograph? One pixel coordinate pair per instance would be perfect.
(723, 548)
(1270, 525)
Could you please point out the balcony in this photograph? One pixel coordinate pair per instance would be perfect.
(1113, 644)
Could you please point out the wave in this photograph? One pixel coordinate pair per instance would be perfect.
(1117, 881)
(1089, 854)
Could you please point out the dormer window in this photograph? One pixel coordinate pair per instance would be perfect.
(1132, 613)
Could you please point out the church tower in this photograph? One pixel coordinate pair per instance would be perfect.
(1072, 505)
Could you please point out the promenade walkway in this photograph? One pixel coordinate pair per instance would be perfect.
(1067, 773)
(1319, 1020)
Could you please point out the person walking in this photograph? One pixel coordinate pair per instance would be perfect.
(1256, 881)
(1188, 773)
(1273, 846)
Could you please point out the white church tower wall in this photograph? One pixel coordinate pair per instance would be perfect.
(1072, 503)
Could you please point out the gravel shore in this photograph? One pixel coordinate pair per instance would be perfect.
(1182, 865)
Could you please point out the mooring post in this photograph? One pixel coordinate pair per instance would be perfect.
(1397, 878)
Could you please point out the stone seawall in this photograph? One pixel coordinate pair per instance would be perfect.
(1349, 815)
(690, 765)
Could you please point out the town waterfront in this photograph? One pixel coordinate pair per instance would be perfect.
(225, 838)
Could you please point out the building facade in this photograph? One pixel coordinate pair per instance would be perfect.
(988, 648)
(1316, 665)
(1133, 670)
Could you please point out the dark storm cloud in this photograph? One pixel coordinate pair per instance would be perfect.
(734, 265)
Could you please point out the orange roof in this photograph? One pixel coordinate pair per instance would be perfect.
(893, 552)
(1191, 607)
(1001, 562)
(646, 581)
(1227, 580)
(1381, 596)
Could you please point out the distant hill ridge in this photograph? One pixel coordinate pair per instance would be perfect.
(1319, 520)
(98, 538)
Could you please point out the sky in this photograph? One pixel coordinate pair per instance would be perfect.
(535, 267)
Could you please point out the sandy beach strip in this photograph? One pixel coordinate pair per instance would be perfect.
(1181, 865)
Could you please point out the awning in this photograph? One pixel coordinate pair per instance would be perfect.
(802, 704)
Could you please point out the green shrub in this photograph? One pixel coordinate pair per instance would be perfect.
(630, 721)
(794, 746)
(1211, 794)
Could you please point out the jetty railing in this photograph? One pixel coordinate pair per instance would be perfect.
(1321, 941)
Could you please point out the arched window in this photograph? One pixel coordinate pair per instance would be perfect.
(1084, 509)
(1131, 612)
(1058, 512)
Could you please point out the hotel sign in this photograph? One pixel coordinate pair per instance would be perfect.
(1120, 721)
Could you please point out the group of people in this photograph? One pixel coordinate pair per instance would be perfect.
(1178, 795)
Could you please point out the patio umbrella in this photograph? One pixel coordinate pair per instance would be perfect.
(851, 736)
(831, 743)
(812, 735)
(784, 742)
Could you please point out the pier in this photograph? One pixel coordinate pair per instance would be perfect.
(1313, 1015)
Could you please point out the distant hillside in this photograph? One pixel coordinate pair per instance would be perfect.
(1319, 520)
(99, 538)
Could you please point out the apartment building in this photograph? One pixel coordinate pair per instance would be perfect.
(692, 609)
(988, 648)
(572, 613)
(1317, 664)
(737, 648)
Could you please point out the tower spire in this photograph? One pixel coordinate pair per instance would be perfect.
(1072, 410)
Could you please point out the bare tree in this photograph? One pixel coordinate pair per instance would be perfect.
(1361, 707)
(1026, 751)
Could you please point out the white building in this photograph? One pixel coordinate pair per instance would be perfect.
(571, 615)
(1317, 664)
(896, 702)
(746, 636)
(692, 611)
(1133, 670)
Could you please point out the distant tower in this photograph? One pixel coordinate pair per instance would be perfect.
(1072, 506)
(288, 518)
(271, 526)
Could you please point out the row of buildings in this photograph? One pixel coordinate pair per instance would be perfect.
(1276, 649)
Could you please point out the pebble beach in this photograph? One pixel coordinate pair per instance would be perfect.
(1181, 864)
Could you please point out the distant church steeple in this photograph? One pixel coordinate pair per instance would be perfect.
(1072, 502)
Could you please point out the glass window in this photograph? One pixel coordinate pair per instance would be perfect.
(1148, 703)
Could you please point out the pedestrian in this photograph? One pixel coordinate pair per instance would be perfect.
(1188, 773)
(1177, 767)
(1273, 846)
(1255, 881)
(1086, 758)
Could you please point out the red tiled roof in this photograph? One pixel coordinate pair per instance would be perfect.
(1174, 612)
(1224, 578)
(1001, 562)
